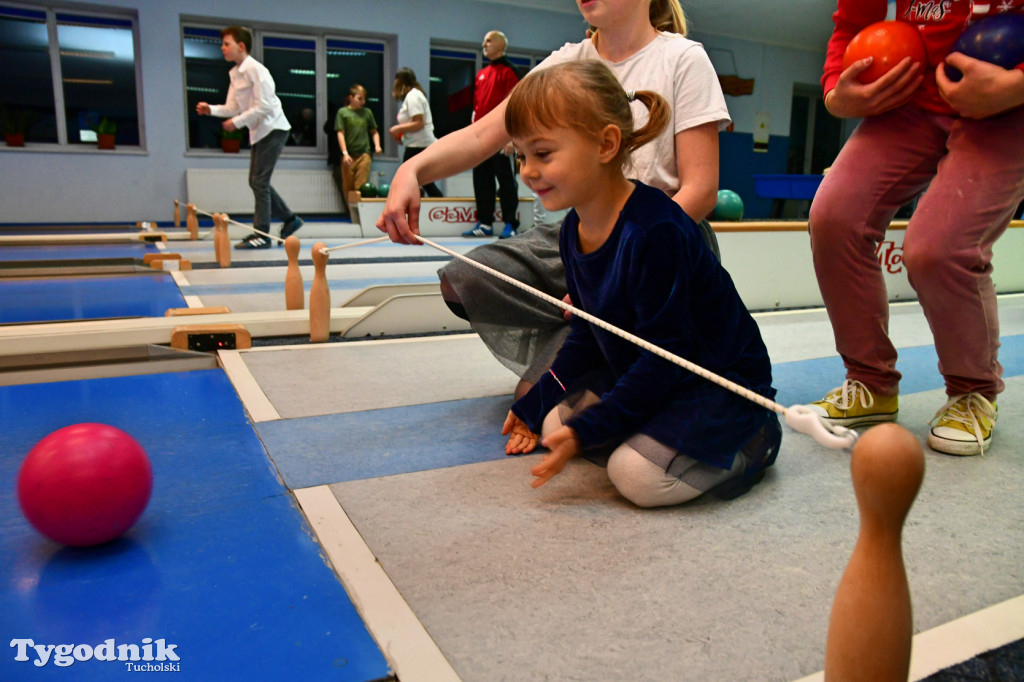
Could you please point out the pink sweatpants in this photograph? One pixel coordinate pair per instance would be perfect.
(976, 175)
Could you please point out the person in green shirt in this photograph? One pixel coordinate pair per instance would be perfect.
(356, 128)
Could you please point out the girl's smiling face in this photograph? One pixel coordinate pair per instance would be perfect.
(561, 165)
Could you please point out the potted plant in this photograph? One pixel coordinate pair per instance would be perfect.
(106, 133)
(15, 123)
(231, 140)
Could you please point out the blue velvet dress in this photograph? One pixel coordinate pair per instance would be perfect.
(656, 278)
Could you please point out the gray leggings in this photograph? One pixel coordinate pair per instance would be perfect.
(646, 484)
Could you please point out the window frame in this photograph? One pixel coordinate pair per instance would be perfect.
(56, 73)
(320, 36)
(462, 50)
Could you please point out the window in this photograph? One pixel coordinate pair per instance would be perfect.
(452, 73)
(293, 64)
(206, 80)
(27, 95)
(312, 75)
(60, 91)
(97, 65)
(351, 62)
(451, 89)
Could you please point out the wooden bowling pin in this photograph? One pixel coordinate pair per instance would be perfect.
(294, 296)
(319, 297)
(191, 221)
(216, 240)
(870, 631)
(177, 214)
(220, 236)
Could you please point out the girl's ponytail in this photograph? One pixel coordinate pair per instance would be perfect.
(659, 113)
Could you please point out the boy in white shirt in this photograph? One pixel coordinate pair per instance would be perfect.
(252, 104)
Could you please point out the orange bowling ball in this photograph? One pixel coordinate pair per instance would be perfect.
(889, 42)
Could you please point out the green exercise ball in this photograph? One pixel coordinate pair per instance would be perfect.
(382, 190)
(368, 190)
(729, 206)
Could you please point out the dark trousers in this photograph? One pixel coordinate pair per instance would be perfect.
(262, 159)
(430, 188)
(498, 166)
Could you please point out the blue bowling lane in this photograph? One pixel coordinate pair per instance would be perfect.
(221, 565)
(75, 252)
(88, 298)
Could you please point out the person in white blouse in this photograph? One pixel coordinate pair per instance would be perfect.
(415, 127)
(251, 103)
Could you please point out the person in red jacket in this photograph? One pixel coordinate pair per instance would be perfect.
(960, 146)
(493, 84)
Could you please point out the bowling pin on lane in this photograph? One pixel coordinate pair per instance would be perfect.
(294, 296)
(870, 631)
(319, 297)
(216, 241)
(221, 234)
(191, 221)
(177, 214)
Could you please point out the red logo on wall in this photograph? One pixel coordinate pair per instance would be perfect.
(458, 214)
(890, 257)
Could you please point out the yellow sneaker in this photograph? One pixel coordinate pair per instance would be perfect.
(852, 404)
(964, 425)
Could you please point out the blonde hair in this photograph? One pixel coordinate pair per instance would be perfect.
(583, 95)
(666, 15)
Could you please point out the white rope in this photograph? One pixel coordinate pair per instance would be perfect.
(799, 417)
(326, 251)
(235, 222)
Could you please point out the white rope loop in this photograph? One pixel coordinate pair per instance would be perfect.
(798, 417)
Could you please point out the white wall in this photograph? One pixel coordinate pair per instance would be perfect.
(774, 69)
(85, 185)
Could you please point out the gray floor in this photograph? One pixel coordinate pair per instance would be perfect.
(570, 582)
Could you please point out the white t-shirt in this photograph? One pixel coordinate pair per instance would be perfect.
(416, 104)
(679, 70)
(252, 102)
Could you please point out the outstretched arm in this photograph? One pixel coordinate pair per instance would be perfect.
(456, 152)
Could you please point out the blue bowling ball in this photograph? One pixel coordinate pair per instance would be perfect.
(998, 39)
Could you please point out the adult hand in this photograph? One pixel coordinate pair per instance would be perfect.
(401, 215)
(567, 314)
(985, 89)
(228, 125)
(520, 439)
(563, 446)
(346, 159)
(395, 133)
(853, 99)
(203, 109)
